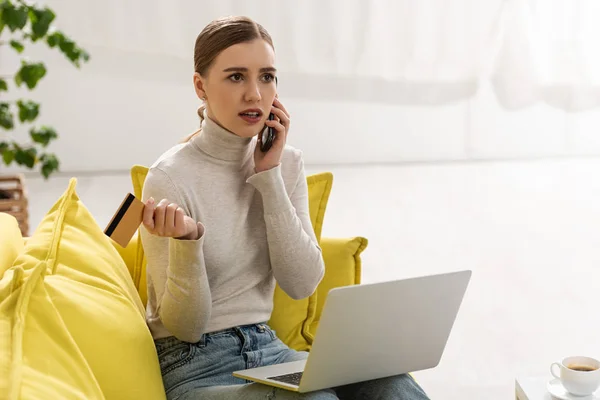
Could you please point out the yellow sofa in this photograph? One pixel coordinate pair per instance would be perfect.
(72, 304)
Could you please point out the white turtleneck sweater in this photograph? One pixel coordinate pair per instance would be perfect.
(257, 229)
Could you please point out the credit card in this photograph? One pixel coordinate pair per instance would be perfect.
(126, 220)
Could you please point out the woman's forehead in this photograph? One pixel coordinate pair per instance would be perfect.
(253, 56)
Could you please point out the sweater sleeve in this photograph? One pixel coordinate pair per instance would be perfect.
(176, 270)
(296, 258)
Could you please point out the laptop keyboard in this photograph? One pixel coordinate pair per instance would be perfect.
(292, 379)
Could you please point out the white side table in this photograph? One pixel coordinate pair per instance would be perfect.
(532, 388)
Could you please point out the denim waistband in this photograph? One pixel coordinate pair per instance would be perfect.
(261, 326)
(236, 330)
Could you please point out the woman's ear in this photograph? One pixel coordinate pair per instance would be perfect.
(199, 86)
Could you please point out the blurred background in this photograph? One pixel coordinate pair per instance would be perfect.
(462, 134)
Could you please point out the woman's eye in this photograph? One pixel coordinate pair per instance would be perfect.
(268, 77)
(236, 77)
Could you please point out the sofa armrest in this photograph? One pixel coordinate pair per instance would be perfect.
(11, 242)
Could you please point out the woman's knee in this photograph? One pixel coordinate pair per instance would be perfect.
(399, 386)
(282, 394)
(393, 387)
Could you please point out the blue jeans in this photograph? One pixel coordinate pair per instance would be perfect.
(203, 370)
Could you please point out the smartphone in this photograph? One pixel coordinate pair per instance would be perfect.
(268, 137)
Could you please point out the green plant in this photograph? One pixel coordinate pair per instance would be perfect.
(22, 22)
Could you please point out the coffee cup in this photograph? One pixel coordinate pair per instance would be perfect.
(579, 375)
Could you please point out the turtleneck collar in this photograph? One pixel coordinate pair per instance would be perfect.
(220, 143)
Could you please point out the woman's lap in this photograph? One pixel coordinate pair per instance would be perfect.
(203, 370)
(253, 391)
(395, 387)
(208, 364)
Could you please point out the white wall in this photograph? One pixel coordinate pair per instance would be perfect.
(129, 104)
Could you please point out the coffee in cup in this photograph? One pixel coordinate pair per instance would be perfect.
(579, 367)
(579, 375)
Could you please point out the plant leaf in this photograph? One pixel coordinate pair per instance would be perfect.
(40, 21)
(3, 85)
(28, 110)
(49, 164)
(26, 156)
(8, 155)
(13, 16)
(68, 47)
(30, 73)
(6, 117)
(18, 46)
(55, 38)
(43, 135)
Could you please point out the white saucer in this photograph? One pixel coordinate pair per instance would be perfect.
(557, 390)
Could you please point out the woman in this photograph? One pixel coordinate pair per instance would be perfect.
(223, 222)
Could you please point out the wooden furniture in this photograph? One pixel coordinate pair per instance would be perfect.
(13, 200)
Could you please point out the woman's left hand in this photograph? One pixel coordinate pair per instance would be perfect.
(281, 124)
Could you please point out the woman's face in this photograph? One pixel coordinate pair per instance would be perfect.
(239, 87)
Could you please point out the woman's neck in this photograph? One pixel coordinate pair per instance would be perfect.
(221, 143)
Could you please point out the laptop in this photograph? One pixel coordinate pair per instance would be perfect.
(372, 331)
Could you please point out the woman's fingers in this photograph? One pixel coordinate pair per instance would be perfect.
(159, 217)
(283, 117)
(281, 131)
(180, 220)
(148, 216)
(167, 219)
(277, 103)
(170, 219)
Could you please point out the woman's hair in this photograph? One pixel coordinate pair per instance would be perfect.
(219, 35)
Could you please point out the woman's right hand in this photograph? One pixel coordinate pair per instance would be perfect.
(169, 220)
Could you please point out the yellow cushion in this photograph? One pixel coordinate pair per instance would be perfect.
(291, 318)
(11, 241)
(71, 323)
(319, 188)
(342, 268)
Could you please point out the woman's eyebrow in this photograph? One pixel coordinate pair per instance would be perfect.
(244, 69)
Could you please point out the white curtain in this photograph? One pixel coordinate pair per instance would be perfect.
(549, 51)
(409, 51)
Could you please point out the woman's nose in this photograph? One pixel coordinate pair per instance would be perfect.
(252, 93)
